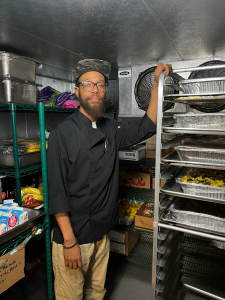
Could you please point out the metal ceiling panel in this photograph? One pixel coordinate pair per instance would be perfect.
(122, 32)
(196, 28)
(125, 33)
(56, 61)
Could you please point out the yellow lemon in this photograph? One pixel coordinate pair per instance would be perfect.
(122, 210)
(128, 210)
(126, 217)
(121, 215)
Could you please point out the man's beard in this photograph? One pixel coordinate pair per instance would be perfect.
(94, 111)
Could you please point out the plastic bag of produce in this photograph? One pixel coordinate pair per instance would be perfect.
(29, 198)
(47, 91)
(72, 97)
(48, 96)
(40, 187)
(70, 104)
(44, 99)
(50, 103)
(60, 99)
(30, 190)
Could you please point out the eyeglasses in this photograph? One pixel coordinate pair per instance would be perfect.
(88, 86)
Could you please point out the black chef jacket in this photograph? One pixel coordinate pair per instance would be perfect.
(83, 172)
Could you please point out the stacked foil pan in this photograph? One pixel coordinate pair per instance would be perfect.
(201, 121)
(206, 221)
(200, 189)
(204, 151)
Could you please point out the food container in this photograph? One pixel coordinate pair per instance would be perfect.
(205, 85)
(33, 218)
(206, 121)
(128, 222)
(178, 214)
(200, 189)
(13, 91)
(19, 67)
(202, 153)
(7, 160)
(24, 146)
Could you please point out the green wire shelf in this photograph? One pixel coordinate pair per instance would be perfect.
(9, 246)
(10, 172)
(21, 107)
(134, 229)
(140, 231)
(146, 163)
(141, 254)
(138, 194)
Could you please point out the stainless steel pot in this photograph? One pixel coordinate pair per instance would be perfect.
(19, 67)
(12, 91)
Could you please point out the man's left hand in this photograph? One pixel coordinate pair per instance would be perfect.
(160, 68)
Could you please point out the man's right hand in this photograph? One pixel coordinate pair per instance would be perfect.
(73, 257)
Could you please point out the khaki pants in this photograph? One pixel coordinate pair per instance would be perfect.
(87, 283)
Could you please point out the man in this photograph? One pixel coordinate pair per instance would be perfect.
(83, 174)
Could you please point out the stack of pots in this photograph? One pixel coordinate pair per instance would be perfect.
(18, 75)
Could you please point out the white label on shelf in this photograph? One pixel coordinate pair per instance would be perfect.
(116, 236)
(119, 248)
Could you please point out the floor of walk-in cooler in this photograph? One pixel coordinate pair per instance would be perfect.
(124, 281)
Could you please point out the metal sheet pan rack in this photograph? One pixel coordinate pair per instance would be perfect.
(192, 265)
(24, 234)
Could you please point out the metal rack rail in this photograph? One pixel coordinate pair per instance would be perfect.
(191, 265)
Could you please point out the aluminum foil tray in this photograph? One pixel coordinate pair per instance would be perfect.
(177, 214)
(206, 121)
(199, 86)
(218, 244)
(208, 191)
(201, 154)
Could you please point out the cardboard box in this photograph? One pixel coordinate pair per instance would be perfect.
(151, 143)
(163, 181)
(152, 153)
(143, 222)
(12, 268)
(124, 248)
(141, 180)
(134, 153)
(121, 236)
